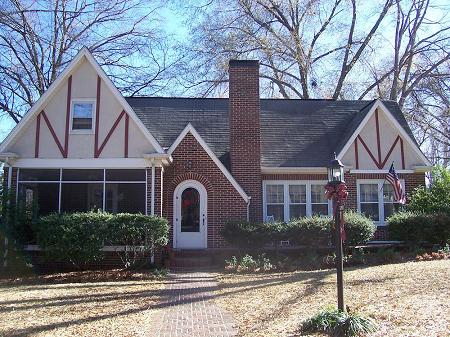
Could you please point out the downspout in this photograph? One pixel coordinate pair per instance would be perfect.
(248, 208)
(5, 252)
(152, 205)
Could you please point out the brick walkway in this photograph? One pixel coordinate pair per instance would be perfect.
(189, 309)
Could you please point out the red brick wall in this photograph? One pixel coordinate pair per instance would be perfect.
(190, 161)
(245, 131)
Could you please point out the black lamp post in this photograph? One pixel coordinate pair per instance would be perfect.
(336, 178)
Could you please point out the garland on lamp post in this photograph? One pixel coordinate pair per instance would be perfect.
(336, 190)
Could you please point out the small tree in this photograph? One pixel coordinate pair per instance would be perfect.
(436, 198)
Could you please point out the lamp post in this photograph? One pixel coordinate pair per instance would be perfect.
(336, 190)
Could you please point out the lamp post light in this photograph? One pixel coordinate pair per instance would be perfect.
(337, 191)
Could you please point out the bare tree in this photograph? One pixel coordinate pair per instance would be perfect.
(392, 49)
(39, 38)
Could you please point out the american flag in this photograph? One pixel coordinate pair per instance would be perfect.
(395, 182)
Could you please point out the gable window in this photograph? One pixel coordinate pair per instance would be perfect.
(287, 200)
(376, 199)
(82, 115)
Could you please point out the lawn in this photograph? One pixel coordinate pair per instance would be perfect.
(79, 305)
(407, 299)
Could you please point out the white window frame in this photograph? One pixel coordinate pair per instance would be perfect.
(94, 109)
(379, 183)
(286, 184)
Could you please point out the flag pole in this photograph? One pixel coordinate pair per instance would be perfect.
(385, 179)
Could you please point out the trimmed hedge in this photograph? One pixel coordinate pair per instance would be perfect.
(419, 227)
(77, 237)
(309, 231)
(80, 237)
(306, 231)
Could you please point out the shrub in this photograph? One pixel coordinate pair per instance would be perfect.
(339, 323)
(419, 227)
(18, 218)
(306, 231)
(309, 231)
(435, 199)
(135, 235)
(77, 237)
(244, 234)
(80, 237)
(358, 228)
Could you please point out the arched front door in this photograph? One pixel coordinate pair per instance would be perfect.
(190, 215)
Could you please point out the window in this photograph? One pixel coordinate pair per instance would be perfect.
(297, 201)
(82, 112)
(39, 189)
(190, 210)
(72, 190)
(376, 200)
(319, 202)
(287, 200)
(275, 201)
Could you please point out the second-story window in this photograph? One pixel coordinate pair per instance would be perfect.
(82, 115)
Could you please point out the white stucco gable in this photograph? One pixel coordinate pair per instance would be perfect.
(46, 130)
(380, 140)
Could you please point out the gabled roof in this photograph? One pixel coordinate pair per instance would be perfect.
(294, 133)
(84, 53)
(190, 129)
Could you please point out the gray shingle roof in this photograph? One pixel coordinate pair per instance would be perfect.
(294, 133)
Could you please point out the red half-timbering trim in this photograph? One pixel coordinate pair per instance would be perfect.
(127, 125)
(379, 162)
(116, 123)
(389, 152)
(369, 152)
(377, 126)
(402, 153)
(38, 130)
(97, 114)
(52, 131)
(66, 135)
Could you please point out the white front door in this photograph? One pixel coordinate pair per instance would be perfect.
(190, 215)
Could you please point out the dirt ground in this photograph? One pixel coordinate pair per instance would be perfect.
(78, 305)
(407, 299)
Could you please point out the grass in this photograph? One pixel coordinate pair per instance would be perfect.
(79, 304)
(406, 299)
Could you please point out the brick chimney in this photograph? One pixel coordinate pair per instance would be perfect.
(245, 131)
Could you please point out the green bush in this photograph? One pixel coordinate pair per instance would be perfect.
(435, 199)
(358, 228)
(76, 237)
(80, 237)
(419, 227)
(135, 235)
(339, 323)
(243, 234)
(306, 231)
(309, 231)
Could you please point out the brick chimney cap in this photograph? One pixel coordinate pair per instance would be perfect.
(244, 63)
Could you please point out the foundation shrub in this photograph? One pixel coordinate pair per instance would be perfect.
(76, 237)
(416, 228)
(79, 238)
(134, 236)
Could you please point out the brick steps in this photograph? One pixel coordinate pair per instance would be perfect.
(191, 259)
